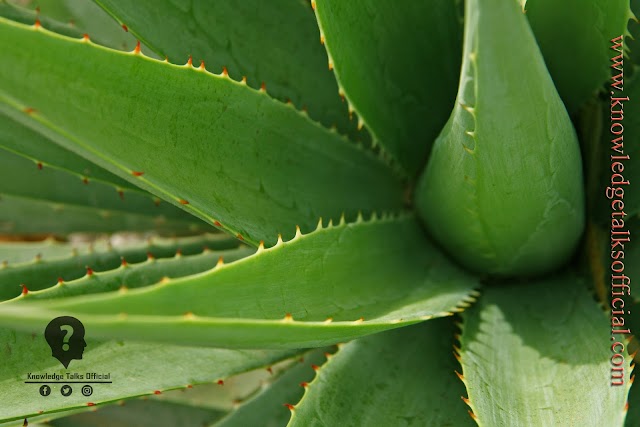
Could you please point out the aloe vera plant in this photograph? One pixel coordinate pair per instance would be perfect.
(351, 191)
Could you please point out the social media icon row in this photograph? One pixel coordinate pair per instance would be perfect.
(66, 390)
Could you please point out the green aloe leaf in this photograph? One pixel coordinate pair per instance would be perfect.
(546, 348)
(27, 16)
(401, 377)
(585, 28)
(22, 140)
(85, 17)
(331, 285)
(19, 215)
(253, 39)
(503, 189)
(205, 403)
(28, 179)
(21, 251)
(149, 272)
(269, 406)
(400, 81)
(145, 372)
(224, 152)
(633, 416)
(142, 413)
(44, 271)
(237, 389)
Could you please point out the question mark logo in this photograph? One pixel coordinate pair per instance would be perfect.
(68, 331)
(65, 336)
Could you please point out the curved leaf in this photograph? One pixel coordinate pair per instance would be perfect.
(398, 68)
(331, 285)
(585, 28)
(401, 377)
(85, 17)
(142, 413)
(633, 416)
(267, 408)
(503, 191)
(251, 38)
(19, 139)
(22, 177)
(136, 370)
(224, 152)
(129, 276)
(42, 272)
(539, 353)
(19, 215)
(15, 252)
(26, 16)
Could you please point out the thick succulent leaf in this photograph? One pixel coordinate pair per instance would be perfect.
(503, 191)
(401, 377)
(272, 42)
(221, 150)
(398, 79)
(633, 415)
(268, 407)
(237, 389)
(43, 420)
(22, 251)
(142, 413)
(328, 286)
(145, 371)
(44, 271)
(22, 177)
(19, 215)
(146, 273)
(585, 28)
(201, 404)
(27, 16)
(85, 17)
(539, 353)
(22, 140)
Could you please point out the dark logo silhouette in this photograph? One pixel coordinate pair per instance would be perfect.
(65, 336)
